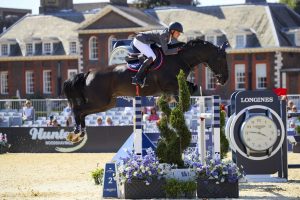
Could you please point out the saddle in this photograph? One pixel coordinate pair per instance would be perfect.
(135, 58)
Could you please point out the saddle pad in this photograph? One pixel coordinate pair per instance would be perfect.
(135, 66)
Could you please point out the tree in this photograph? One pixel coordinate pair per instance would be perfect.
(293, 4)
(175, 135)
(150, 3)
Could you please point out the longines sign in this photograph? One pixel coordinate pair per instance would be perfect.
(257, 100)
(52, 140)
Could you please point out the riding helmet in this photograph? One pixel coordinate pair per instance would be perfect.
(176, 26)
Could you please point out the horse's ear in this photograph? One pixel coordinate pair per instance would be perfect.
(224, 45)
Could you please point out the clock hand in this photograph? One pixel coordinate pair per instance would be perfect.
(258, 132)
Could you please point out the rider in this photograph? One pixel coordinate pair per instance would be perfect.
(143, 41)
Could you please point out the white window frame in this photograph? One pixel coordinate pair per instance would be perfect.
(29, 82)
(210, 82)
(33, 49)
(73, 49)
(237, 44)
(211, 38)
(72, 71)
(4, 82)
(111, 39)
(261, 73)
(93, 48)
(47, 85)
(8, 49)
(297, 38)
(46, 51)
(240, 76)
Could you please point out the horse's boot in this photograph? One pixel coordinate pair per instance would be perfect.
(140, 76)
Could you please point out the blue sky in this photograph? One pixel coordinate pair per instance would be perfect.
(34, 4)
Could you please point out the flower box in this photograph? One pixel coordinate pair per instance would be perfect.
(296, 145)
(210, 189)
(137, 189)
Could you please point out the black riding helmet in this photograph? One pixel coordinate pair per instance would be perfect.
(176, 26)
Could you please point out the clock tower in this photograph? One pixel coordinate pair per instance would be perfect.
(50, 6)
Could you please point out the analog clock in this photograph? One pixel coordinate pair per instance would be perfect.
(259, 133)
(117, 56)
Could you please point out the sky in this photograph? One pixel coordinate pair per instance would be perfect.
(34, 4)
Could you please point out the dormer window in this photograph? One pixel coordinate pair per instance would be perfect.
(29, 49)
(4, 49)
(73, 47)
(211, 38)
(297, 38)
(47, 48)
(240, 41)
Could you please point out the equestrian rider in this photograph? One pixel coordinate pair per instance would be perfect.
(142, 42)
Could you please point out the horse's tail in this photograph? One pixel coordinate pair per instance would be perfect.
(73, 89)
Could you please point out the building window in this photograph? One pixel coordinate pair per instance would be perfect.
(211, 39)
(29, 78)
(297, 38)
(47, 82)
(210, 80)
(29, 49)
(4, 50)
(73, 47)
(261, 76)
(47, 48)
(240, 41)
(71, 73)
(111, 42)
(93, 48)
(240, 76)
(4, 82)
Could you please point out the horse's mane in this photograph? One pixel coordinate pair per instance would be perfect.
(195, 42)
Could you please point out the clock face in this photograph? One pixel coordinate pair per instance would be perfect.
(259, 133)
(117, 56)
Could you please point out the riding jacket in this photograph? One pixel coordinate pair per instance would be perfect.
(161, 37)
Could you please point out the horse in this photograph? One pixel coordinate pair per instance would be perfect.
(97, 91)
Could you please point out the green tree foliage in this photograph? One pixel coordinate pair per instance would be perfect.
(224, 141)
(150, 3)
(293, 4)
(175, 135)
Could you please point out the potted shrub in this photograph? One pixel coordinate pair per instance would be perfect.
(180, 189)
(296, 145)
(175, 136)
(4, 146)
(97, 175)
(142, 177)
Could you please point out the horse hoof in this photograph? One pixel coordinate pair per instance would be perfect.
(77, 138)
(70, 136)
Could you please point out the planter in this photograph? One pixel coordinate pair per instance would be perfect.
(137, 189)
(209, 189)
(296, 146)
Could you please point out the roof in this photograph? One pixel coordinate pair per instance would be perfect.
(59, 27)
(136, 16)
(264, 21)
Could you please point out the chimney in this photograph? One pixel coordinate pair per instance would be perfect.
(119, 2)
(50, 6)
(256, 1)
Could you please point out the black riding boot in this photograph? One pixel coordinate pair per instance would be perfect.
(140, 76)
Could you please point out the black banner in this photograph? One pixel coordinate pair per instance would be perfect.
(52, 140)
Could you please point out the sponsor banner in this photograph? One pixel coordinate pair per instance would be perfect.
(52, 139)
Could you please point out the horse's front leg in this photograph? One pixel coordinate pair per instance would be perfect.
(75, 135)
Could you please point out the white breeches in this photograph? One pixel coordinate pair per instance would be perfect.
(144, 49)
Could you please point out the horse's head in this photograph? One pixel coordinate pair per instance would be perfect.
(199, 51)
(218, 64)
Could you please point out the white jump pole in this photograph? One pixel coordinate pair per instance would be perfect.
(201, 130)
(216, 126)
(137, 143)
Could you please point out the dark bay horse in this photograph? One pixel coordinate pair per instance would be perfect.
(96, 91)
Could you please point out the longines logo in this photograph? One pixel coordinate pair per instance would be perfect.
(257, 99)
